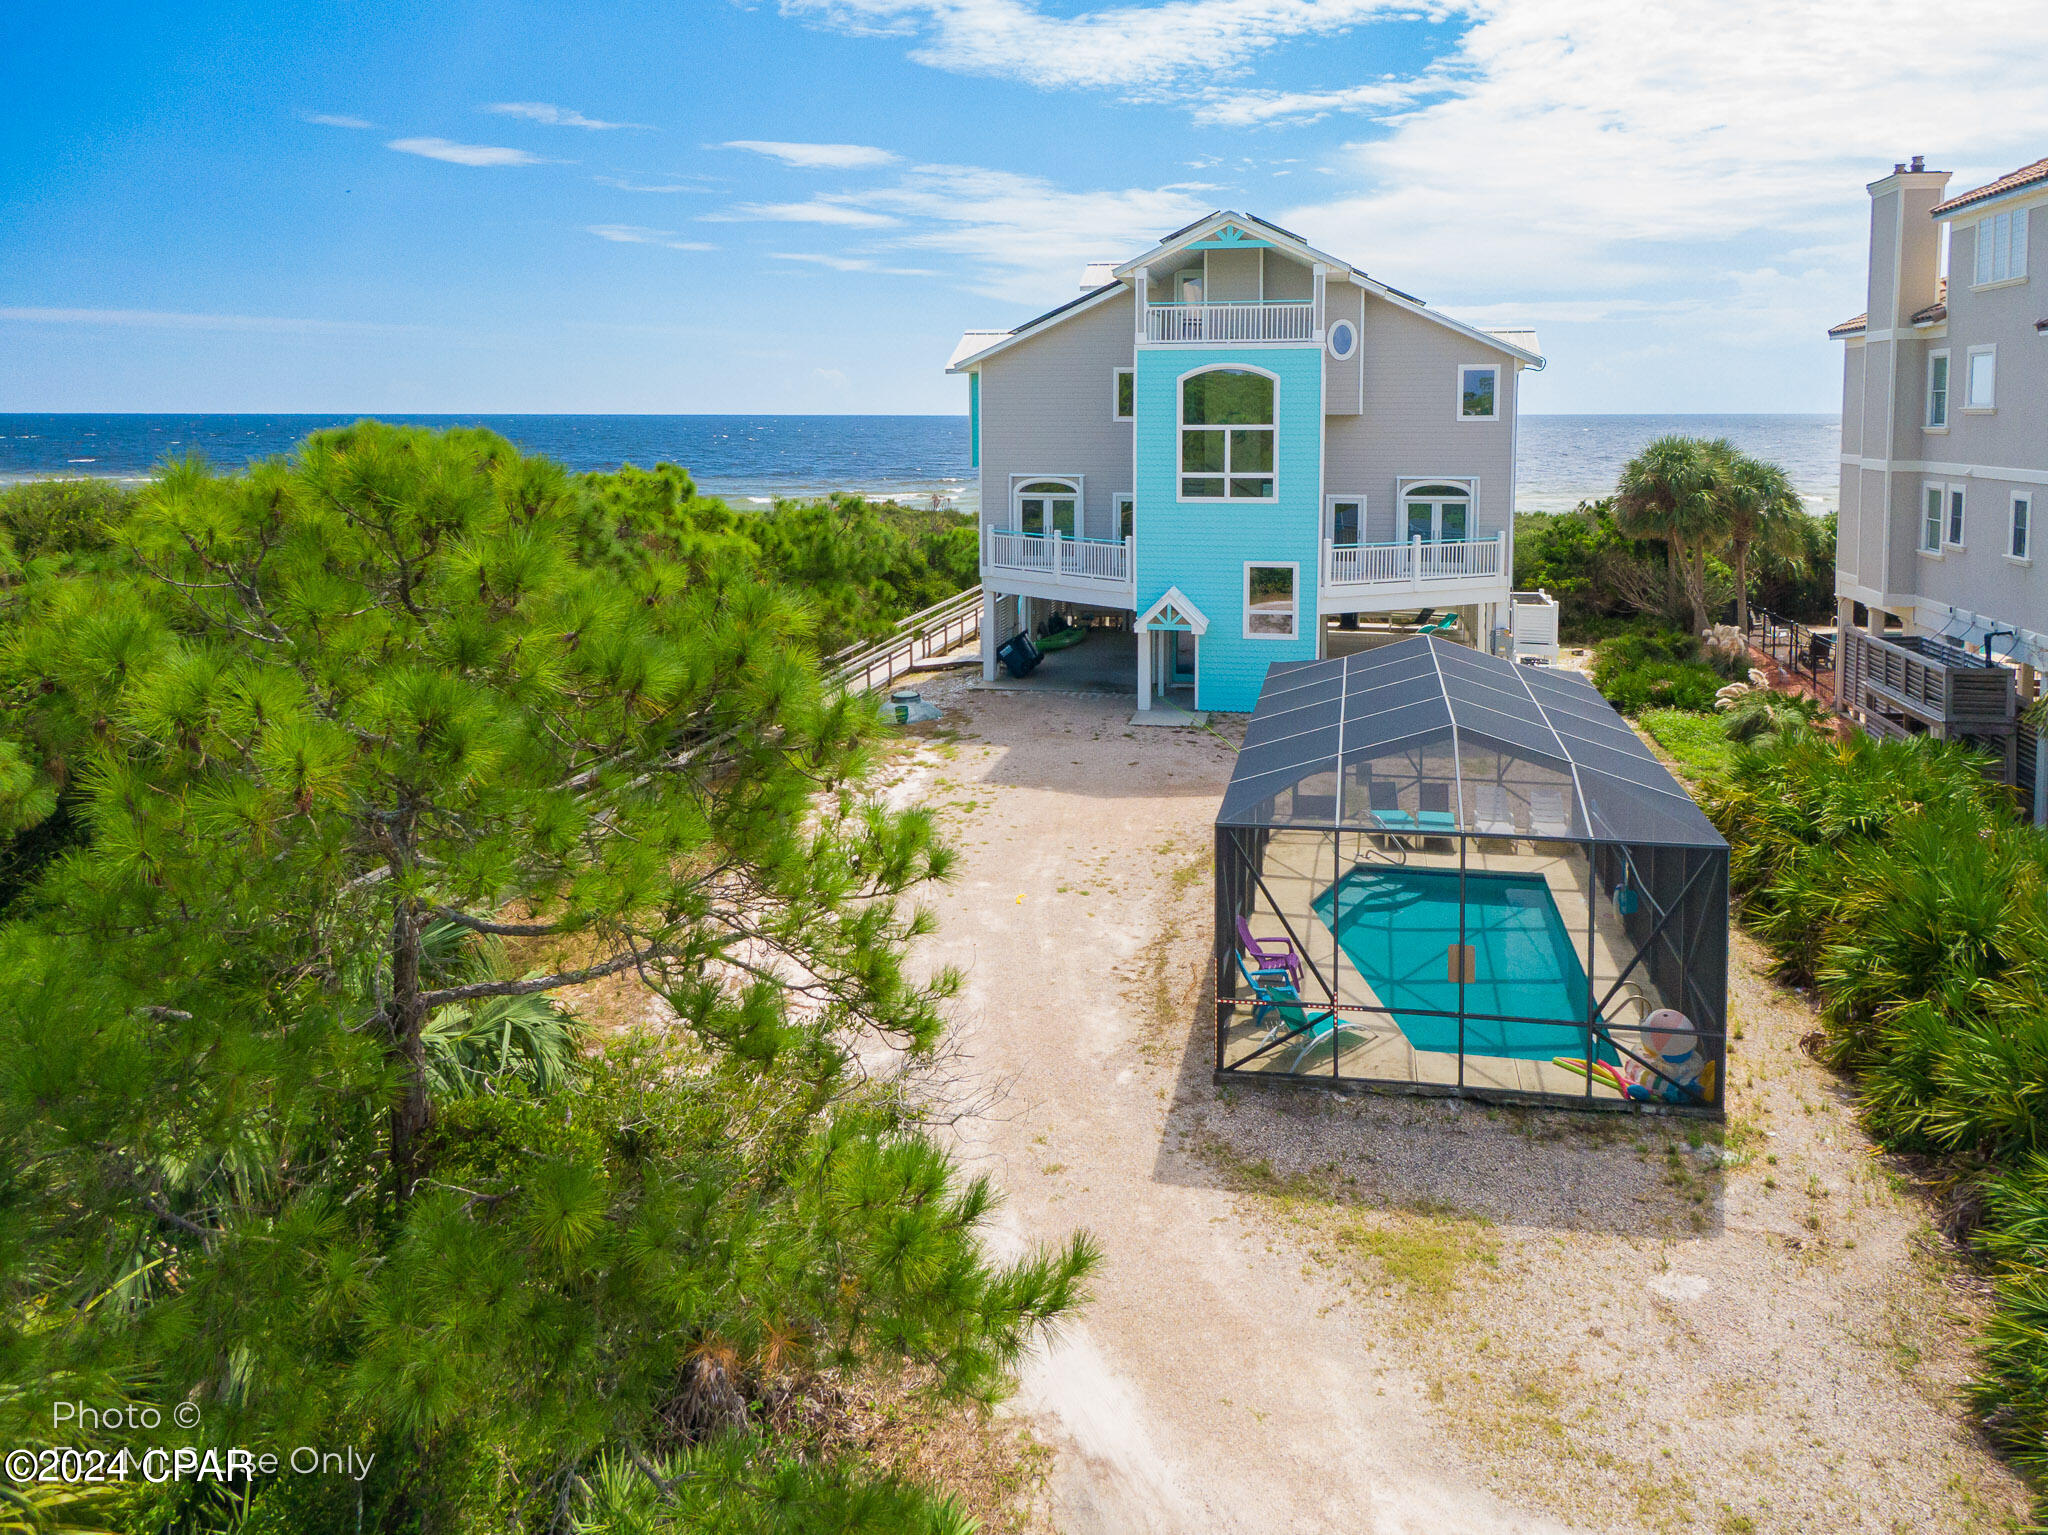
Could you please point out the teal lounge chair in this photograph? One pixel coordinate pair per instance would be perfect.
(1277, 1001)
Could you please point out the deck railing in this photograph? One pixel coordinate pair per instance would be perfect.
(1414, 563)
(1105, 561)
(939, 628)
(1273, 320)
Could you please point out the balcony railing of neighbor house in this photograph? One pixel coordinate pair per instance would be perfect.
(1055, 556)
(1415, 563)
(1273, 320)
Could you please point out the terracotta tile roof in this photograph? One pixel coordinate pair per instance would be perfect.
(2012, 181)
(1849, 327)
(1935, 312)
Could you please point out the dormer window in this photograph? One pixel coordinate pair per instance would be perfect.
(1226, 435)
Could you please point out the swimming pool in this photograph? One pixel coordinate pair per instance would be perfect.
(1397, 926)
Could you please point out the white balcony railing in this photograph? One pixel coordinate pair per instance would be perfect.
(1082, 561)
(1415, 563)
(1290, 320)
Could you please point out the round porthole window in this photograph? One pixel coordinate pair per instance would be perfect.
(1343, 339)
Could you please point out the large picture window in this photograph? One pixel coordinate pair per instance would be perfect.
(1270, 604)
(1226, 436)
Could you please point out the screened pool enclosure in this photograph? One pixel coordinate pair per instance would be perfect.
(1443, 872)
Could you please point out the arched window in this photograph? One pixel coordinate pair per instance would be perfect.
(1440, 513)
(1226, 435)
(1049, 506)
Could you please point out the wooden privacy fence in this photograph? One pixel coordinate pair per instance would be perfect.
(939, 628)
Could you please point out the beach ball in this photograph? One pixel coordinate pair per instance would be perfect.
(1671, 1044)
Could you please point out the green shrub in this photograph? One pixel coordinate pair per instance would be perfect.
(1697, 742)
(1654, 668)
(1896, 876)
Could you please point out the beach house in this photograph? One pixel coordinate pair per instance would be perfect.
(1941, 578)
(1248, 451)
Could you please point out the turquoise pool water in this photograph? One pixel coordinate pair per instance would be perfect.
(1397, 928)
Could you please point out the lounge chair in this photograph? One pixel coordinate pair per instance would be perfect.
(1492, 815)
(1387, 813)
(1436, 815)
(1443, 625)
(1550, 813)
(1269, 956)
(1276, 1001)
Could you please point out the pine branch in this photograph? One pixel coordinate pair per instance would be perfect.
(498, 929)
(555, 982)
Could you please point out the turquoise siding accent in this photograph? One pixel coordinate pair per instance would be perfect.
(1202, 546)
(974, 420)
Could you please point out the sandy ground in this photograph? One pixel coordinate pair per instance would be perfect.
(1381, 1314)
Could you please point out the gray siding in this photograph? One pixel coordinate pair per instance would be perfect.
(1409, 428)
(1288, 278)
(1233, 275)
(1342, 380)
(1046, 408)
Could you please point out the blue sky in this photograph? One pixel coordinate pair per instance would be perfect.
(708, 206)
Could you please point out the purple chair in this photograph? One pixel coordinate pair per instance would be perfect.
(1269, 954)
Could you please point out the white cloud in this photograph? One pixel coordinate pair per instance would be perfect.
(836, 157)
(1170, 50)
(1258, 108)
(335, 120)
(836, 209)
(625, 184)
(634, 234)
(157, 319)
(852, 264)
(1581, 148)
(466, 154)
(553, 116)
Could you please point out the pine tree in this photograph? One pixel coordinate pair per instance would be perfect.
(317, 719)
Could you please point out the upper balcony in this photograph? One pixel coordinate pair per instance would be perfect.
(1206, 324)
(1446, 572)
(1092, 570)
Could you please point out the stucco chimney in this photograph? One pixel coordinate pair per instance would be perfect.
(1905, 244)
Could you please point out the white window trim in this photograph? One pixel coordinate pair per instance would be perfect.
(1949, 519)
(1458, 399)
(1409, 482)
(1948, 393)
(1330, 338)
(1970, 407)
(1116, 389)
(1180, 407)
(1940, 490)
(1019, 481)
(1117, 503)
(2012, 510)
(1330, 515)
(1289, 565)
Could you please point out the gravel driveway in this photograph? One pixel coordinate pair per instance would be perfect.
(1397, 1315)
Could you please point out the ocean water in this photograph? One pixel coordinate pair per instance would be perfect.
(1562, 460)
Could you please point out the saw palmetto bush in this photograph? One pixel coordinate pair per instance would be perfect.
(1896, 877)
(287, 1134)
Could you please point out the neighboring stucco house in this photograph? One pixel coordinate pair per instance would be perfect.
(1235, 438)
(1945, 464)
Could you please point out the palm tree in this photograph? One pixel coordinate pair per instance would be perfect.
(1760, 512)
(1666, 492)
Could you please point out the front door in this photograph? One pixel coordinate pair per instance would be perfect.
(1437, 513)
